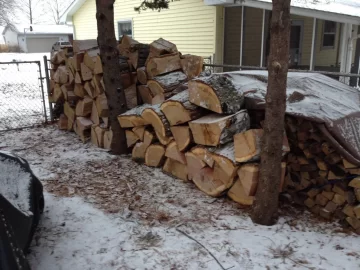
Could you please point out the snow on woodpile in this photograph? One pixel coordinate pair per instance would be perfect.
(15, 184)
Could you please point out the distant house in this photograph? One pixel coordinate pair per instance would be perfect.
(2, 41)
(36, 38)
(236, 32)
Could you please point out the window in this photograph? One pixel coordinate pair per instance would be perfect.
(125, 28)
(329, 34)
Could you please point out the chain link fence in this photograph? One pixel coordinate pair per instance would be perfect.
(22, 97)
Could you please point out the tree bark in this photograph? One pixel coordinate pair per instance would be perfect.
(267, 195)
(110, 61)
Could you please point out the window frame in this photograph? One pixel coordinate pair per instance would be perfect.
(328, 33)
(126, 20)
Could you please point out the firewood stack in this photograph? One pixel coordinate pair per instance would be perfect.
(204, 135)
(319, 177)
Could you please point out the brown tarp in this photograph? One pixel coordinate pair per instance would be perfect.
(328, 102)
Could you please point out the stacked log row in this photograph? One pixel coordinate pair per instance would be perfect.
(319, 177)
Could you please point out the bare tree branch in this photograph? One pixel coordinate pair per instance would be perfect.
(6, 11)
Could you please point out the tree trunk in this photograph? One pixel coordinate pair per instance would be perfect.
(110, 61)
(267, 195)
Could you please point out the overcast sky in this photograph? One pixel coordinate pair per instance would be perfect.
(42, 11)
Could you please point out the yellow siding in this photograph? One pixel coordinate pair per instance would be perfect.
(188, 23)
(252, 36)
(219, 38)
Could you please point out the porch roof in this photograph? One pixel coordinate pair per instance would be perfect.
(345, 11)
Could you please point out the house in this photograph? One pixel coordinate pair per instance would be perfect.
(236, 32)
(36, 38)
(2, 41)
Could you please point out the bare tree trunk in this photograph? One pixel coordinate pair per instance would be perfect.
(30, 12)
(267, 195)
(110, 60)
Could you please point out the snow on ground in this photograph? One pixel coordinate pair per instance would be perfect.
(20, 93)
(108, 212)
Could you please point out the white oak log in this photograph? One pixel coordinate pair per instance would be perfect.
(237, 194)
(164, 140)
(84, 107)
(90, 58)
(132, 118)
(131, 138)
(102, 105)
(93, 136)
(139, 150)
(69, 112)
(100, 134)
(96, 82)
(141, 75)
(157, 119)
(216, 93)
(162, 64)
(248, 145)
(78, 79)
(176, 169)
(90, 90)
(215, 129)
(161, 47)
(155, 155)
(83, 128)
(86, 73)
(79, 90)
(166, 83)
(95, 118)
(146, 95)
(194, 165)
(173, 152)
(182, 136)
(191, 65)
(178, 110)
(139, 131)
(61, 75)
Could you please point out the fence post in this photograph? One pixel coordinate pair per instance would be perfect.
(42, 91)
(48, 87)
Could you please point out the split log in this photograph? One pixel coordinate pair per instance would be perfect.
(154, 156)
(215, 129)
(71, 79)
(126, 80)
(78, 59)
(132, 118)
(96, 82)
(84, 45)
(108, 139)
(90, 58)
(139, 150)
(83, 128)
(61, 75)
(125, 44)
(348, 165)
(78, 79)
(249, 177)
(65, 88)
(141, 75)
(191, 65)
(194, 165)
(146, 95)
(100, 134)
(203, 154)
(93, 135)
(354, 222)
(90, 90)
(131, 96)
(102, 105)
(237, 194)
(163, 64)
(131, 138)
(355, 183)
(157, 119)
(182, 136)
(216, 93)
(84, 107)
(176, 169)
(161, 46)
(164, 140)
(179, 110)
(139, 131)
(79, 90)
(214, 181)
(86, 73)
(98, 69)
(173, 152)
(70, 113)
(63, 122)
(248, 145)
(166, 83)
(58, 94)
(95, 115)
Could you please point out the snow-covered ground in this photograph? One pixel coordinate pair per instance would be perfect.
(20, 93)
(108, 212)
